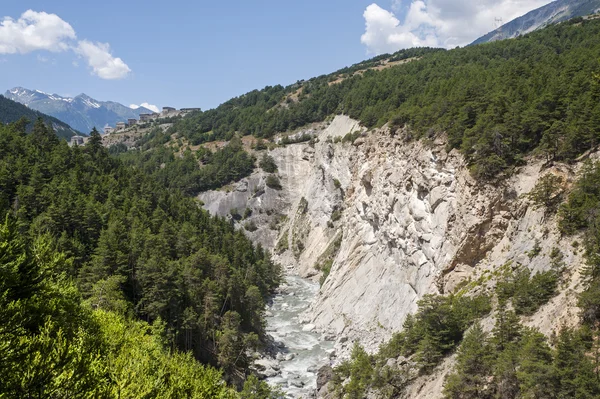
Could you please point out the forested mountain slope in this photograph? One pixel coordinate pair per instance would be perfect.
(462, 211)
(89, 248)
(11, 111)
(496, 102)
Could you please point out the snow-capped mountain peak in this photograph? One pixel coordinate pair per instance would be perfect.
(554, 12)
(81, 112)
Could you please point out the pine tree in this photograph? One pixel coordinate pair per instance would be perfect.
(473, 366)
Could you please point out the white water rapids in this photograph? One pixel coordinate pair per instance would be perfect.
(302, 350)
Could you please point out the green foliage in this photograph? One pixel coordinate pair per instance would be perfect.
(267, 163)
(289, 139)
(260, 145)
(283, 244)
(432, 333)
(12, 112)
(528, 292)
(250, 226)
(516, 362)
(325, 260)
(584, 201)
(273, 182)
(191, 172)
(117, 149)
(473, 365)
(325, 268)
(497, 102)
(255, 389)
(359, 370)
(547, 192)
(536, 250)
(350, 137)
(53, 345)
(336, 215)
(436, 329)
(135, 247)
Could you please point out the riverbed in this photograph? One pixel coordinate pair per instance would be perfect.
(302, 350)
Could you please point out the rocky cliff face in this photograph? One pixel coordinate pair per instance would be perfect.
(396, 219)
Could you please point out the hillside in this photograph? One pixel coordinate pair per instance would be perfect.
(545, 90)
(106, 275)
(11, 111)
(557, 11)
(81, 112)
(442, 207)
(450, 201)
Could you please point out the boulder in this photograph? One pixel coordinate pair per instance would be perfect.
(324, 375)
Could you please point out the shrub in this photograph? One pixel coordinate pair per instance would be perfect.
(282, 244)
(273, 182)
(547, 192)
(335, 216)
(267, 163)
(350, 137)
(250, 226)
(326, 269)
(235, 214)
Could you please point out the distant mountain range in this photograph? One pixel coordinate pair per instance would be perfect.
(557, 11)
(83, 113)
(12, 111)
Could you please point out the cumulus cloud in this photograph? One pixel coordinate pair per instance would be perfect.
(101, 61)
(35, 31)
(151, 107)
(40, 31)
(437, 23)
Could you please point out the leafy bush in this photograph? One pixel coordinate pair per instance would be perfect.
(325, 269)
(351, 137)
(304, 137)
(267, 163)
(250, 226)
(273, 182)
(336, 215)
(282, 244)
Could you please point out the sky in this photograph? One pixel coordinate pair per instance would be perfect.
(201, 53)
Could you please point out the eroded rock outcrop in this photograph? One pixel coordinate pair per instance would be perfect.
(390, 220)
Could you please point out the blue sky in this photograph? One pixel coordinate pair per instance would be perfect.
(199, 53)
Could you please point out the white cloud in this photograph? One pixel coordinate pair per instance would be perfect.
(40, 31)
(151, 107)
(101, 60)
(437, 23)
(35, 31)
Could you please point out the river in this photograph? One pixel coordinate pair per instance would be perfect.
(302, 350)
